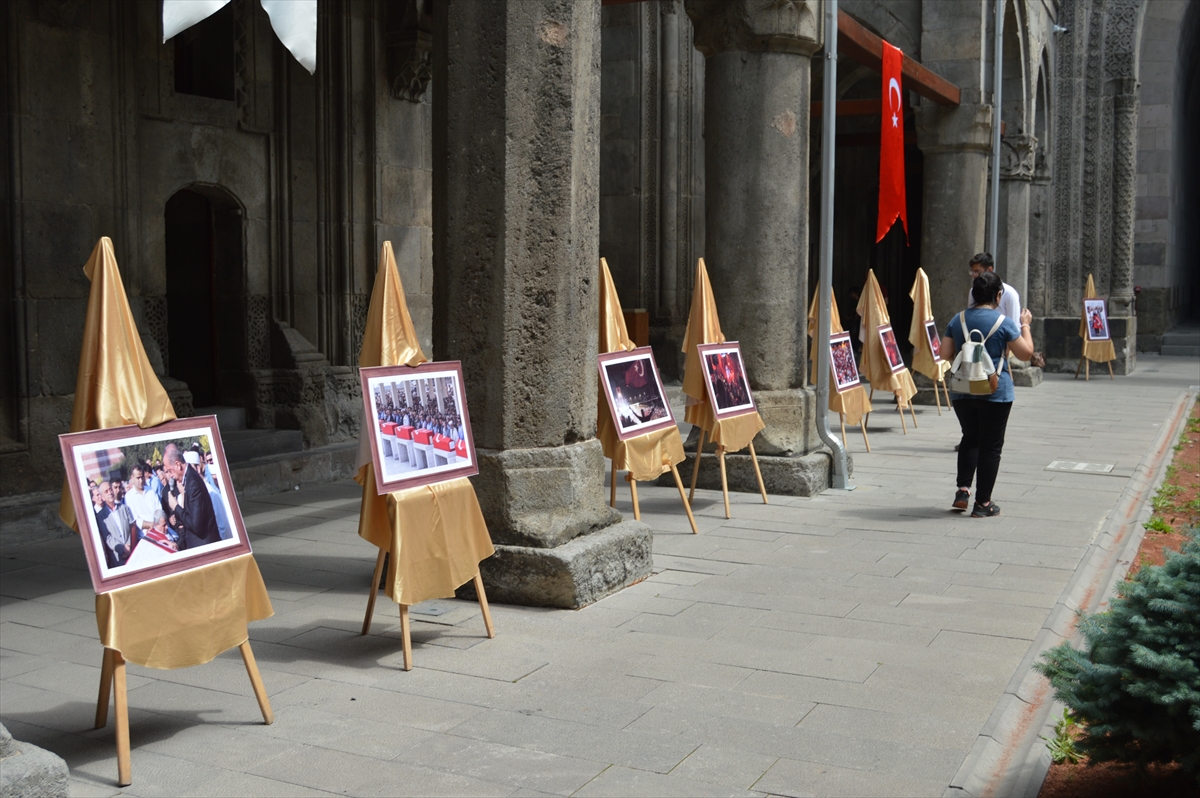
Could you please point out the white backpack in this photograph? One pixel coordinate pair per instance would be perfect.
(973, 368)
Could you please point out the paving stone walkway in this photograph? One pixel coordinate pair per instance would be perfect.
(850, 644)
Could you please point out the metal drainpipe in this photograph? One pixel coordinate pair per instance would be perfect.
(841, 470)
(997, 86)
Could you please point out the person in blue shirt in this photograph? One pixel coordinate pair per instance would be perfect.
(984, 418)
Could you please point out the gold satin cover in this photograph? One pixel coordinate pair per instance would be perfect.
(115, 385)
(209, 608)
(186, 618)
(873, 309)
(646, 456)
(923, 361)
(704, 327)
(1095, 351)
(436, 533)
(854, 402)
(389, 339)
(438, 538)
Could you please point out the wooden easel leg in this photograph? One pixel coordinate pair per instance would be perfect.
(637, 511)
(612, 496)
(683, 497)
(696, 466)
(121, 700)
(374, 591)
(260, 692)
(903, 426)
(1079, 367)
(946, 388)
(106, 675)
(1110, 371)
(1087, 370)
(866, 440)
(937, 397)
(912, 412)
(724, 480)
(842, 419)
(758, 472)
(483, 607)
(406, 637)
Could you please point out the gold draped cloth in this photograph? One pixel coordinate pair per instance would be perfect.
(1095, 351)
(923, 361)
(704, 327)
(115, 385)
(186, 618)
(646, 456)
(873, 309)
(436, 533)
(854, 402)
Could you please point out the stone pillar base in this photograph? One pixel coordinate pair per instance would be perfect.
(803, 475)
(1027, 376)
(573, 575)
(1064, 347)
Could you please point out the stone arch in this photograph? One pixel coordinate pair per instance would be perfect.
(205, 273)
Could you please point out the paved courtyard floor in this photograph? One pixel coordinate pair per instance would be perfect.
(850, 644)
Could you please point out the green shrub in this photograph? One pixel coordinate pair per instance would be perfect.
(1135, 687)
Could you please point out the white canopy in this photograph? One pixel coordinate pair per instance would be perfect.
(294, 22)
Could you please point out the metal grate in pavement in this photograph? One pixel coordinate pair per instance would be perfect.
(1080, 468)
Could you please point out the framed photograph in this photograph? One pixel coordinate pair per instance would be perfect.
(841, 361)
(1096, 315)
(725, 379)
(419, 428)
(890, 350)
(152, 502)
(635, 392)
(935, 340)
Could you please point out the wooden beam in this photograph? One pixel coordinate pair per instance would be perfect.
(867, 49)
(852, 108)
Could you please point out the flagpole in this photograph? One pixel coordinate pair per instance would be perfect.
(997, 86)
(841, 469)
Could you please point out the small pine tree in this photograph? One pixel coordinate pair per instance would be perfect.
(1135, 686)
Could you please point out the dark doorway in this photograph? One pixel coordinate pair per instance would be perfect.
(205, 305)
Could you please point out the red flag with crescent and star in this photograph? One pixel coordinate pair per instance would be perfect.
(891, 147)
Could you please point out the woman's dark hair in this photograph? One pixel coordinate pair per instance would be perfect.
(985, 287)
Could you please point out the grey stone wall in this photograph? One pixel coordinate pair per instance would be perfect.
(1163, 297)
(317, 171)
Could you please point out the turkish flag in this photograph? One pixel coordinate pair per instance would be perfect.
(891, 147)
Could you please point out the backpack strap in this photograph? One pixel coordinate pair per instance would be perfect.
(995, 327)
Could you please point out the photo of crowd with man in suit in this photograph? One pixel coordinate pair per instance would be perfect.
(728, 386)
(152, 500)
(421, 428)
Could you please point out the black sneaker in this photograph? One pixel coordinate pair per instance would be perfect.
(961, 499)
(989, 510)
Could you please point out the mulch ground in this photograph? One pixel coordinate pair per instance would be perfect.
(1177, 506)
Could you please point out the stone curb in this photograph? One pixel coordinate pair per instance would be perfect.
(1007, 758)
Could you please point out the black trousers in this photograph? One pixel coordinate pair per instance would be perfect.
(983, 424)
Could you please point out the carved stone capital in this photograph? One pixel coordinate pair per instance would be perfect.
(756, 26)
(408, 42)
(965, 128)
(1017, 157)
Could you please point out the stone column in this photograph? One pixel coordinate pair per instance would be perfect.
(516, 235)
(1123, 323)
(1012, 248)
(957, 144)
(758, 60)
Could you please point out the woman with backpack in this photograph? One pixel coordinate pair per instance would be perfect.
(983, 413)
